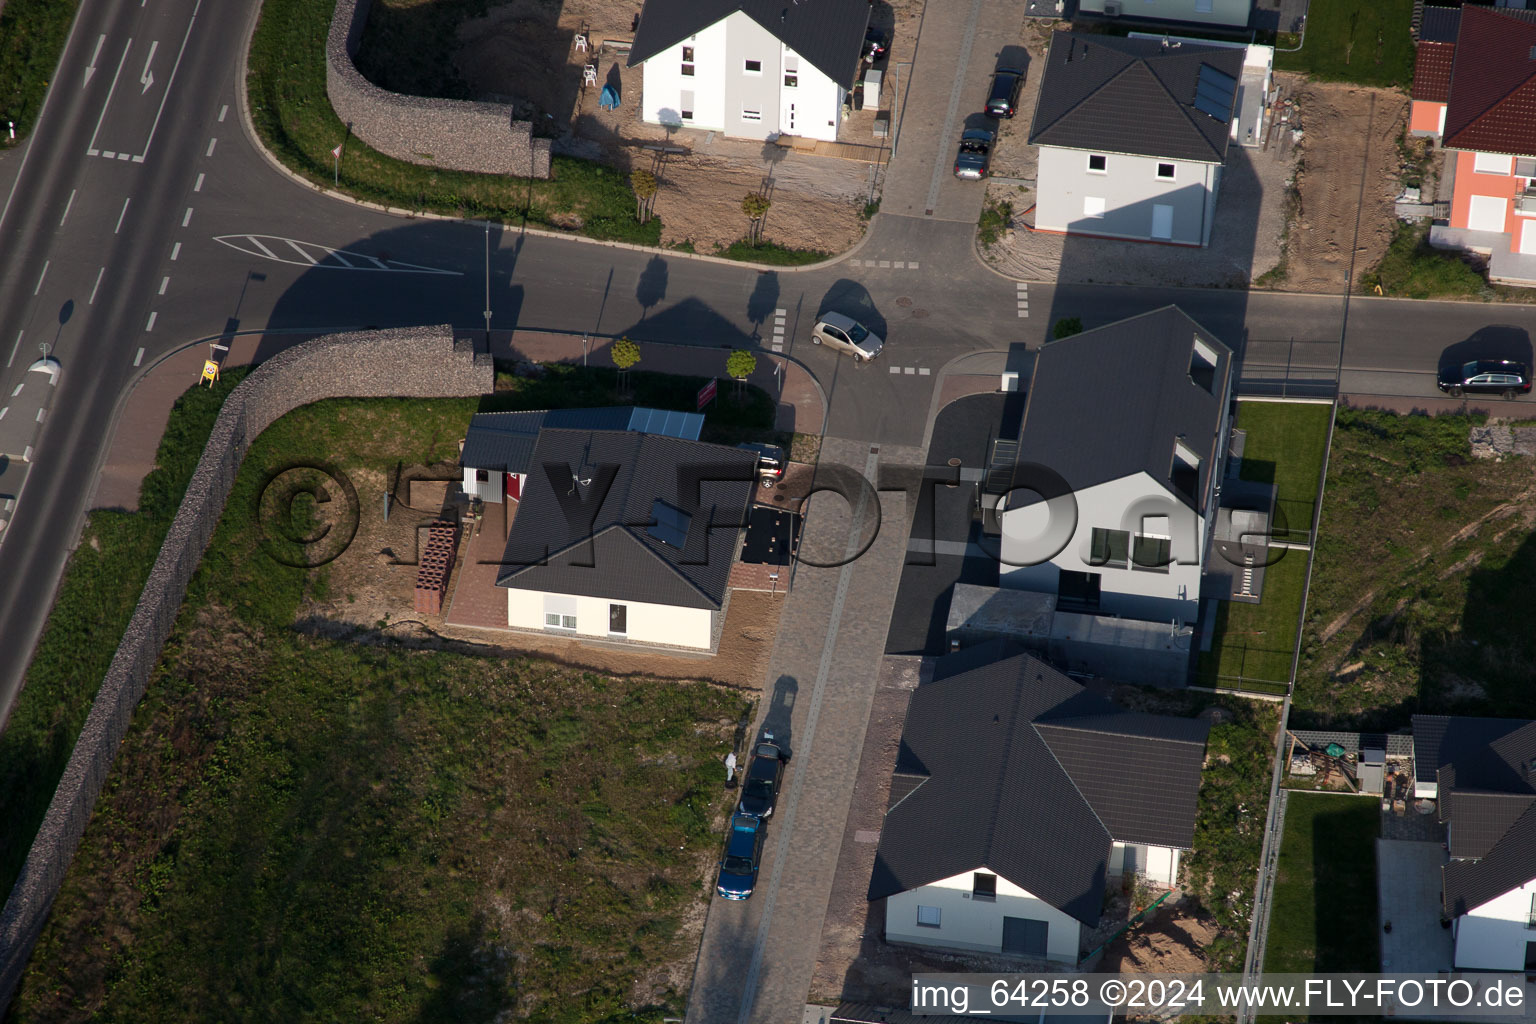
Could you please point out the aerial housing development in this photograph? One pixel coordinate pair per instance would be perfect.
(719, 510)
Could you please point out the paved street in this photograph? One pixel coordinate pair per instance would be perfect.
(142, 218)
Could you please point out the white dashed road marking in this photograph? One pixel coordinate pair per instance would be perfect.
(175, 250)
(165, 283)
(222, 111)
(211, 144)
(151, 325)
(139, 358)
(121, 215)
(1023, 293)
(95, 286)
(199, 186)
(186, 218)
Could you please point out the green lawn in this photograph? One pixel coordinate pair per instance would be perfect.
(1423, 579)
(301, 827)
(1414, 269)
(1363, 41)
(1284, 447)
(1324, 914)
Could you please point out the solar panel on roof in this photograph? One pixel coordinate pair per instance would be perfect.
(1214, 93)
(669, 525)
(684, 425)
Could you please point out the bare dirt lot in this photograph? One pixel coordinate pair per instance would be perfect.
(524, 52)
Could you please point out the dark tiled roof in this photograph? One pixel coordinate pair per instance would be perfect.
(1439, 24)
(828, 33)
(592, 539)
(1432, 72)
(1144, 363)
(505, 440)
(1491, 106)
(1510, 864)
(1479, 819)
(1130, 96)
(1013, 743)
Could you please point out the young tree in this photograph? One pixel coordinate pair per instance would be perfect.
(644, 184)
(756, 208)
(739, 366)
(1066, 327)
(625, 355)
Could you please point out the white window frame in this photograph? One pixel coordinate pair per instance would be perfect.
(1493, 163)
(561, 621)
(936, 913)
(747, 69)
(688, 65)
(617, 632)
(1173, 171)
(1094, 206)
(751, 115)
(1098, 156)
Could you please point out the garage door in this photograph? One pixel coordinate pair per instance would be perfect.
(1486, 213)
(1162, 221)
(1024, 937)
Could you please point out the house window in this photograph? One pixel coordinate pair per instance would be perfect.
(1110, 547)
(618, 618)
(753, 67)
(1525, 167)
(1151, 554)
(1093, 206)
(751, 115)
(482, 476)
(1165, 172)
(688, 61)
(791, 72)
(1184, 474)
(1202, 365)
(1492, 163)
(984, 886)
(557, 621)
(1098, 163)
(685, 105)
(928, 917)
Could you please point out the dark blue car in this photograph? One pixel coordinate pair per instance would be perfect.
(743, 854)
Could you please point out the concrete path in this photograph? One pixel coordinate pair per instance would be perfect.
(1408, 880)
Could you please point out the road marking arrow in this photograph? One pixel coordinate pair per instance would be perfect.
(91, 69)
(148, 77)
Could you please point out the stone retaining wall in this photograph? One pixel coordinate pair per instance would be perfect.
(419, 362)
(455, 134)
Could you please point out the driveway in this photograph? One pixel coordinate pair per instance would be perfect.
(1408, 877)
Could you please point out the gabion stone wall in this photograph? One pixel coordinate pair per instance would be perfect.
(419, 362)
(455, 134)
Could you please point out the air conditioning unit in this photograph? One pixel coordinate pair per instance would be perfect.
(1112, 8)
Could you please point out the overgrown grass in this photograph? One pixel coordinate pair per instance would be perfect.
(300, 826)
(995, 218)
(293, 115)
(95, 601)
(1324, 914)
(32, 36)
(771, 253)
(1425, 569)
(1414, 269)
(1362, 41)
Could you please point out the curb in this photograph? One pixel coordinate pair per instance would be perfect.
(242, 75)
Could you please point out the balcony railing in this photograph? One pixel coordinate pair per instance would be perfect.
(1525, 202)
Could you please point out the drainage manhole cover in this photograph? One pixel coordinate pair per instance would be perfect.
(918, 314)
(954, 462)
(903, 301)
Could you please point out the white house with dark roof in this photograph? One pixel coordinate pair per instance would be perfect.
(627, 536)
(1482, 772)
(1132, 135)
(749, 68)
(1127, 425)
(1016, 794)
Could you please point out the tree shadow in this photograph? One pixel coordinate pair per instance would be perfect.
(652, 286)
(852, 299)
(781, 711)
(473, 981)
(763, 300)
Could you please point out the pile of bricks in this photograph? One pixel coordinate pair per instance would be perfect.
(436, 563)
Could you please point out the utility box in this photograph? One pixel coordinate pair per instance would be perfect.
(871, 96)
(1010, 381)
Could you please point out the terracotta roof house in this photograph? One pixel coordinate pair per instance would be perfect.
(997, 744)
(1482, 771)
(1474, 91)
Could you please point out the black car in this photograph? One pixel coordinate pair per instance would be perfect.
(1007, 83)
(975, 153)
(876, 44)
(743, 855)
(1486, 377)
(760, 790)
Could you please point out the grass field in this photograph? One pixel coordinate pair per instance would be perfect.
(32, 36)
(1414, 269)
(1363, 41)
(1424, 575)
(298, 826)
(1324, 913)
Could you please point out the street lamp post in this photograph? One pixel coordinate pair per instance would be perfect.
(487, 286)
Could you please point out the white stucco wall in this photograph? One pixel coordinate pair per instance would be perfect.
(965, 923)
(1129, 592)
(1222, 12)
(648, 623)
(722, 88)
(1129, 189)
(1492, 937)
(1158, 864)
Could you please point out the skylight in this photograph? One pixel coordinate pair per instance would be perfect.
(669, 525)
(1214, 93)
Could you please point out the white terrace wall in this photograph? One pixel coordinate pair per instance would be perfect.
(419, 362)
(456, 134)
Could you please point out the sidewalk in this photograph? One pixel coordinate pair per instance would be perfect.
(144, 413)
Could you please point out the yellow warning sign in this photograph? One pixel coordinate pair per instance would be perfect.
(210, 371)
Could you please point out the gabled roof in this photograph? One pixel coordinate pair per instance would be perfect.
(827, 33)
(1104, 93)
(1143, 364)
(1491, 104)
(504, 440)
(1432, 72)
(585, 525)
(990, 752)
(1486, 771)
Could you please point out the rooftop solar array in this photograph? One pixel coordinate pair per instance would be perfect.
(1214, 93)
(669, 525)
(685, 425)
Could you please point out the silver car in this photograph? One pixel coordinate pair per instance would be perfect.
(848, 335)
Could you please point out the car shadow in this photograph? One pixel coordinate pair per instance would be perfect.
(1496, 341)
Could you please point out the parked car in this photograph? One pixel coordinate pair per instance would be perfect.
(770, 461)
(760, 789)
(848, 335)
(876, 44)
(1486, 377)
(1003, 100)
(975, 156)
(743, 855)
